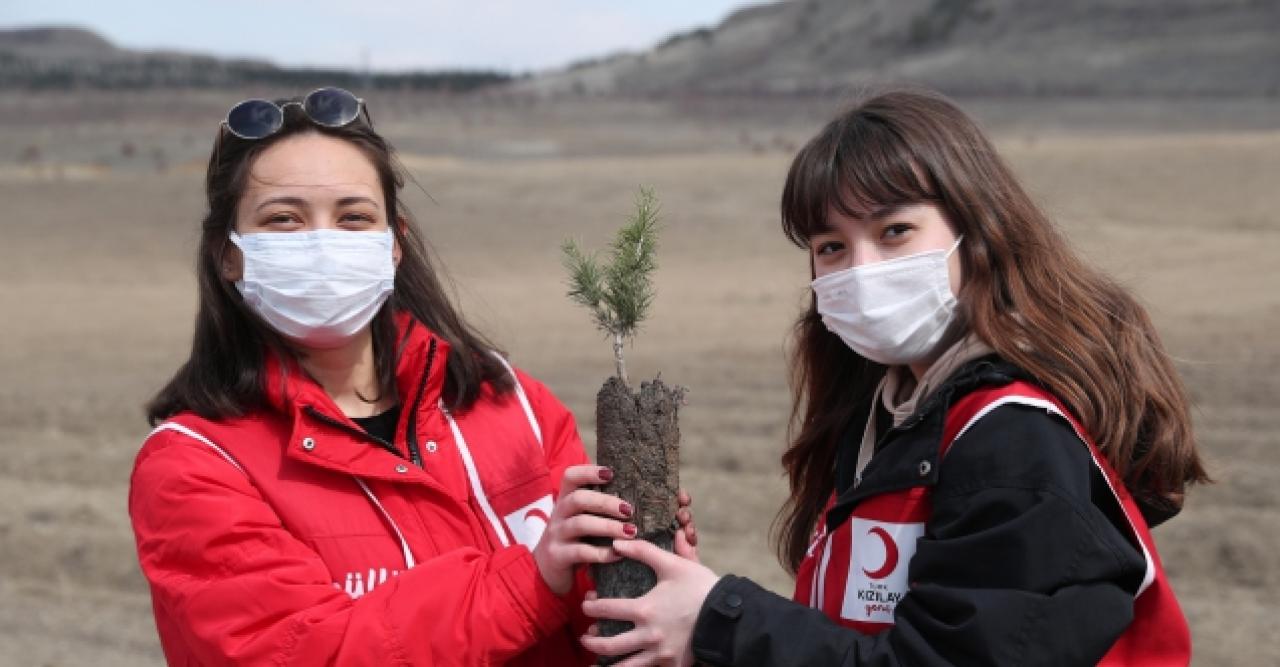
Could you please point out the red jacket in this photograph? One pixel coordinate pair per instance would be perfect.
(286, 537)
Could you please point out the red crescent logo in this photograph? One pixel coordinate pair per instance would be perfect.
(537, 513)
(890, 555)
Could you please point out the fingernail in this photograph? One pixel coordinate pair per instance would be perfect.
(625, 509)
(606, 474)
(629, 529)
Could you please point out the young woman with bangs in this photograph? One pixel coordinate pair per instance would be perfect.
(344, 472)
(985, 430)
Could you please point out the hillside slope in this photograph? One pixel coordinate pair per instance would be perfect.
(1001, 47)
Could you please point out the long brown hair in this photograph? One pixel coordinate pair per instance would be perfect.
(224, 374)
(1024, 293)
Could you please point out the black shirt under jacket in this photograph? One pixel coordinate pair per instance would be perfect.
(1024, 560)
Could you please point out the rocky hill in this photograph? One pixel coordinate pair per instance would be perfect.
(991, 47)
(69, 57)
(1103, 48)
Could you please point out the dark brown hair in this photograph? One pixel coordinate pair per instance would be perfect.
(224, 374)
(1024, 293)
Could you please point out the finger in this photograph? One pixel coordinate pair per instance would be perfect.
(684, 548)
(593, 630)
(580, 552)
(623, 644)
(582, 475)
(683, 499)
(643, 659)
(591, 595)
(661, 561)
(684, 516)
(617, 609)
(590, 525)
(594, 502)
(691, 532)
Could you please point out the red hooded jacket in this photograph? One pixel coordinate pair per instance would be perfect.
(288, 537)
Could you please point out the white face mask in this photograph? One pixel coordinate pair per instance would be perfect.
(892, 312)
(317, 288)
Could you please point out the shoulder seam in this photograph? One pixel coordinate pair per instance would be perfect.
(1027, 401)
(193, 435)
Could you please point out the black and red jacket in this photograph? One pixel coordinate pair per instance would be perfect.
(986, 530)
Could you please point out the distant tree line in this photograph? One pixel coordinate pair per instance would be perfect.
(159, 71)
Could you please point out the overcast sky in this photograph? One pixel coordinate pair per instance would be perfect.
(511, 35)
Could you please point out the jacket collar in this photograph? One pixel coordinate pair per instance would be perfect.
(914, 442)
(320, 434)
(420, 374)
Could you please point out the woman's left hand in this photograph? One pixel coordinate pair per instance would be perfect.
(663, 617)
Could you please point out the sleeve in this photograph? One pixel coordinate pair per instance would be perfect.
(563, 448)
(561, 443)
(231, 585)
(1021, 563)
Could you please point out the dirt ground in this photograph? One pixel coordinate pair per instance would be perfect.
(102, 194)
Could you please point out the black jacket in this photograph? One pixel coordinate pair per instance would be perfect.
(1024, 560)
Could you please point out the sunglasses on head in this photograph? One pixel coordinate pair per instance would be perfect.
(327, 107)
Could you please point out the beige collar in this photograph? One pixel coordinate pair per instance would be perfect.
(901, 394)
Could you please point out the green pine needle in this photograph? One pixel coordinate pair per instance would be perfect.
(620, 293)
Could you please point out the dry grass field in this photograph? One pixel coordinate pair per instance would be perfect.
(102, 194)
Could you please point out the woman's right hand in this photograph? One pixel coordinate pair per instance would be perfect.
(664, 617)
(581, 513)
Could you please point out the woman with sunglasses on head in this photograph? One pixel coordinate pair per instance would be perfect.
(344, 471)
(986, 428)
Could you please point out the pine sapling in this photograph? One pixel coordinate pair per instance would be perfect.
(619, 293)
(637, 432)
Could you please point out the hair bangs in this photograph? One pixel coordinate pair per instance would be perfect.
(853, 167)
(807, 193)
(875, 167)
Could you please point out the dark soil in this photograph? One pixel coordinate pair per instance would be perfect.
(638, 436)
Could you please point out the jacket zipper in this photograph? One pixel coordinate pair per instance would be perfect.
(414, 455)
(412, 435)
(353, 431)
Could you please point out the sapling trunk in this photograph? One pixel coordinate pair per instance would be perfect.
(619, 363)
